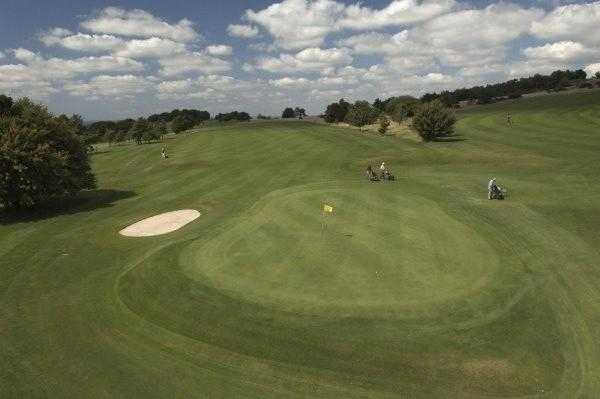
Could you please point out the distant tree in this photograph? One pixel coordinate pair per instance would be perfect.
(288, 113)
(433, 120)
(597, 75)
(41, 157)
(384, 125)
(233, 116)
(336, 112)
(361, 114)
(380, 105)
(300, 112)
(138, 130)
(262, 117)
(181, 123)
(6, 104)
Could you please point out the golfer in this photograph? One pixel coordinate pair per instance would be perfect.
(492, 187)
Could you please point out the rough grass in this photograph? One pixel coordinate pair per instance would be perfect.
(420, 288)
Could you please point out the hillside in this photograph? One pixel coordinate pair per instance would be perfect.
(419, 288)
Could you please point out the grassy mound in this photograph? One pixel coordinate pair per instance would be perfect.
(417, 288)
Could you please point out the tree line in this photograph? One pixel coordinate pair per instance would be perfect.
(515, 88)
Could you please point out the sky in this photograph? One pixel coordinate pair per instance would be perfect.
(112, 60)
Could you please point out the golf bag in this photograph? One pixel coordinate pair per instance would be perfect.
(386, 175)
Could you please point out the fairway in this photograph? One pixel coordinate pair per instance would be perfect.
(417, 288)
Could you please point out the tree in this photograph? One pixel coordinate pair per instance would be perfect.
(300, 112)
(336, 112)
(181, 123)
(233, 116)
(362, 113)
(41, 157)
(138, 130)
(288, 113)
(384, 124)
(597, 75)
(6, 104)
(433, 120)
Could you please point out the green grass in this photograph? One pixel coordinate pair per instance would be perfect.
(421, 288)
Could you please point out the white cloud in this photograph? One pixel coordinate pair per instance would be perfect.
(245, 31)
(139, 23)
(289, 82)
(591, 69)
(398, 12)
(193, 62)
(219, 50)
(298, 24)
(60, 68)
(564, 51)
(82, 42)
(308, 60)
(153, 47)
(115, 87)
(577, 22)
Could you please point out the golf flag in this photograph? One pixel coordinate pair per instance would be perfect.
(327, 208)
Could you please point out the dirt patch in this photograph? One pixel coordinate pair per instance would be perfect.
(488, 368)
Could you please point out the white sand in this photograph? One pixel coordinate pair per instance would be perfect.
(161, 224)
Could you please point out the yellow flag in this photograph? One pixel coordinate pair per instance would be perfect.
(327, 208)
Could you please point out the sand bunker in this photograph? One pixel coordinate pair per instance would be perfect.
(161, 224)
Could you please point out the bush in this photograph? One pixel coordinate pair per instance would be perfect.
(362, 113)
(288, 113)
(41, 157)
(181, 123)
(585, 85)
(404, 110)
(433, 120)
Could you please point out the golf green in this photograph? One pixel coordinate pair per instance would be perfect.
(416, 288)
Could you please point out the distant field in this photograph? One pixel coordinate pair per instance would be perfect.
(420, 288)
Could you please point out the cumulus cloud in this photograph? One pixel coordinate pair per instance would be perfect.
(219, 50)
(591, 69)
(153, 47)
(82, 42)
(398, 12)
(308, 60)
(576, 22)
(139, 23)
(561, 51)
(299, 24)
(244, 31)
(115, 87)
(198, 62)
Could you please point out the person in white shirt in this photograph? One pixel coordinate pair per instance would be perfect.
(382, 167)
(492, 187)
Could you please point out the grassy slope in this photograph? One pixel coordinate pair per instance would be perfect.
(421, 288)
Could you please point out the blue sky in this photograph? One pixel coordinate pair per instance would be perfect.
(109, 60)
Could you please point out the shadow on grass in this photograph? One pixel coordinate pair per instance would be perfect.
(451, 139)
(85, 201)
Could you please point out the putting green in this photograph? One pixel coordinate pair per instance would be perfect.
(285, 252)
